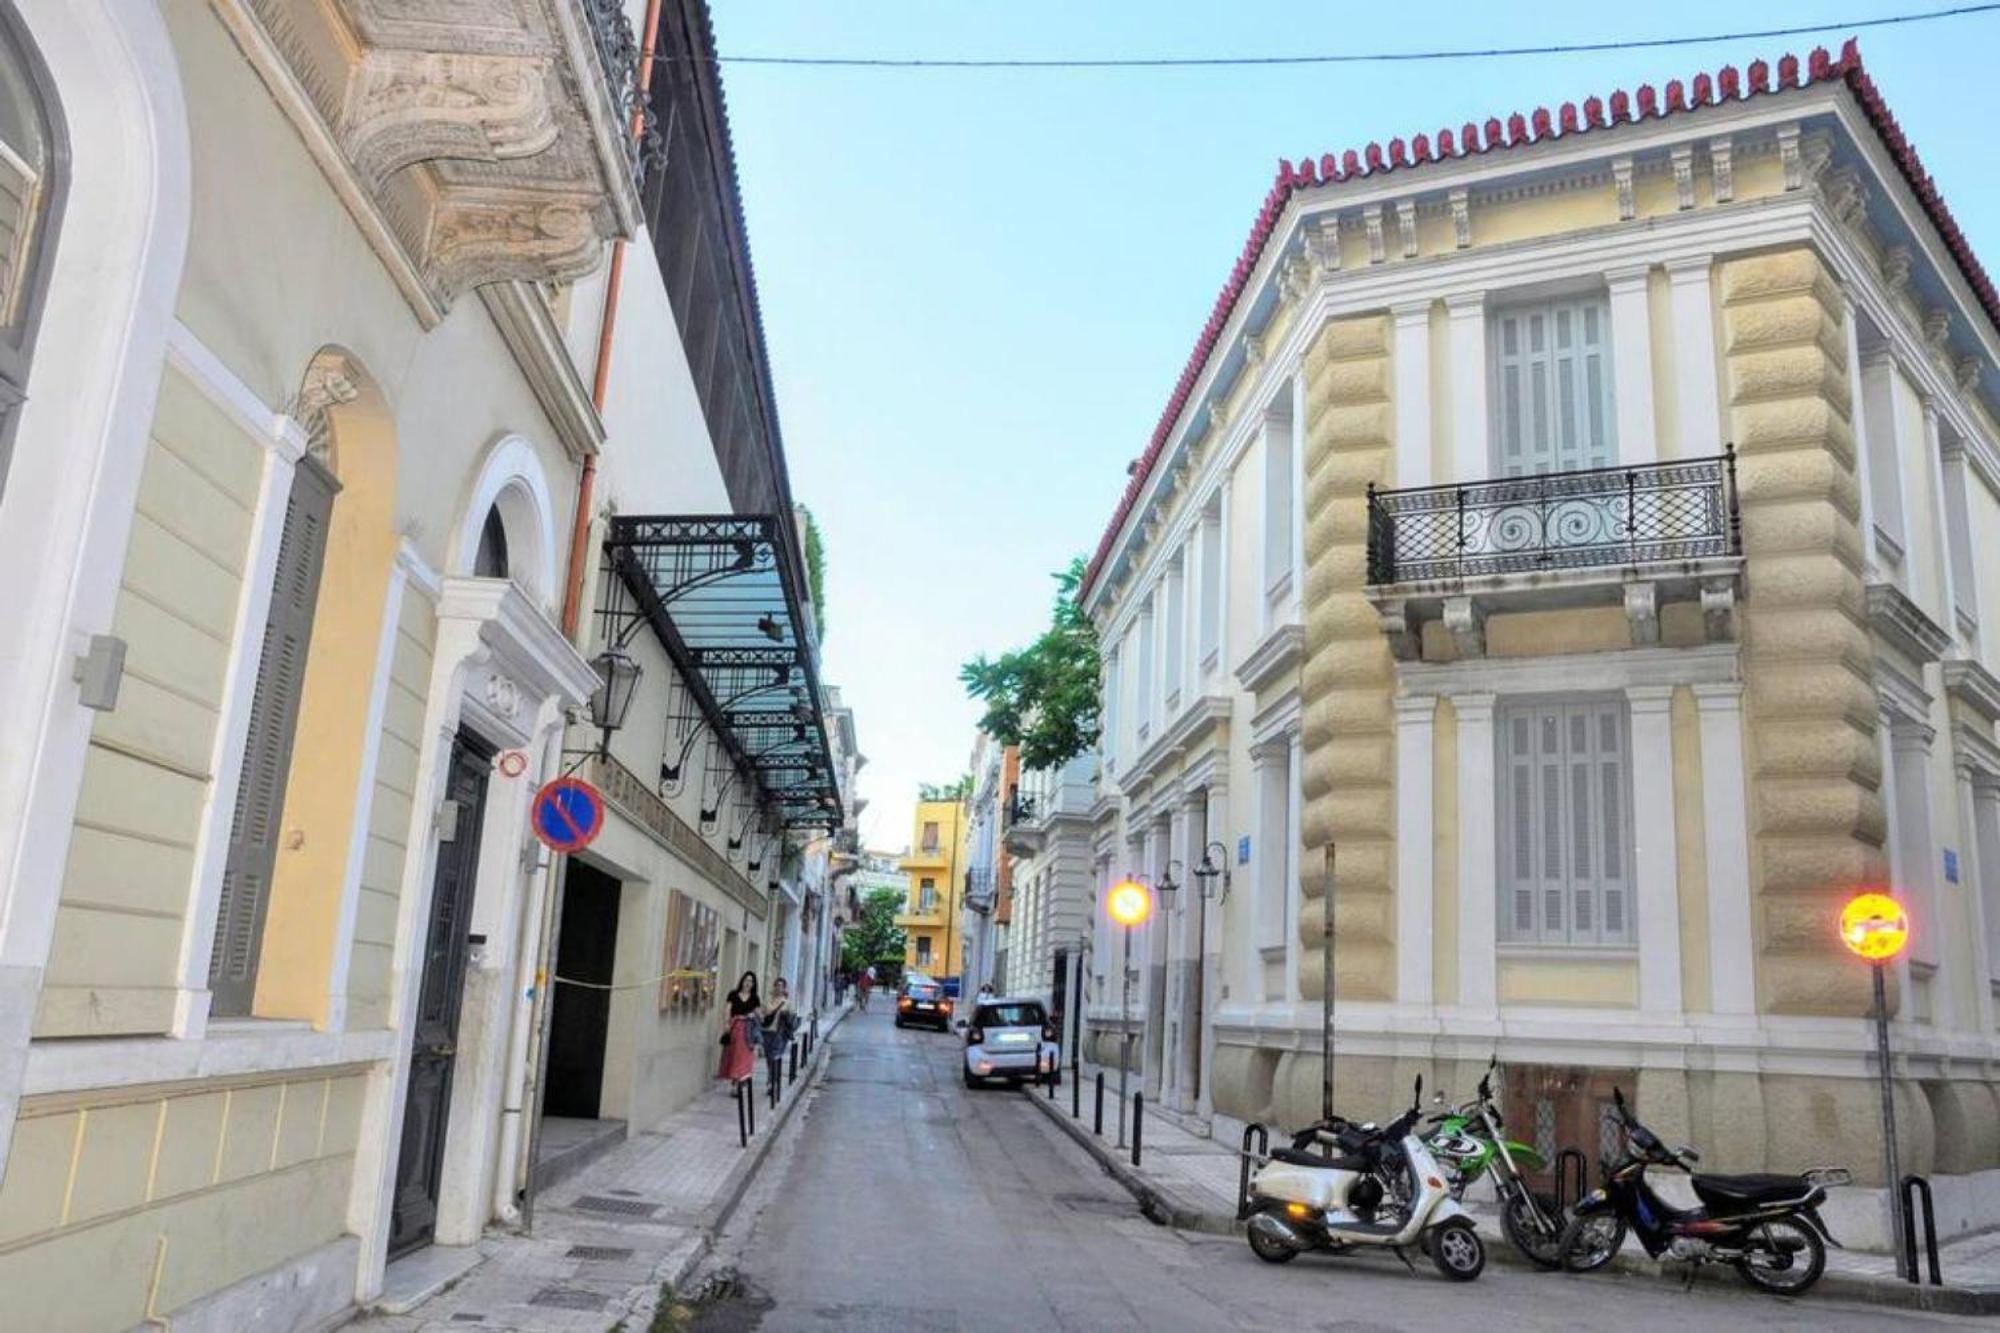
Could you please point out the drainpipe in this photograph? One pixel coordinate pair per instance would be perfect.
(579, 536)
(531, 998)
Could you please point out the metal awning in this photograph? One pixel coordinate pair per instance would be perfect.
(721, 593)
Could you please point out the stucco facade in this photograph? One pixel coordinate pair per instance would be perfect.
(1688, 643)
(319, 324)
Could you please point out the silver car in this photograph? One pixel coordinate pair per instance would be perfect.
(1008, 1038)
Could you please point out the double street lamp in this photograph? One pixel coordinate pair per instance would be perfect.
(1130, 904)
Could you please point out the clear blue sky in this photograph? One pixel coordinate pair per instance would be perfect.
(979, 286)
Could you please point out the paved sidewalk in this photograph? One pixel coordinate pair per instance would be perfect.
(1189, 1181)
(607, 1239)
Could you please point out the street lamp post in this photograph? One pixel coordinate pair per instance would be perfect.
(1130, 905)
(1875, 927)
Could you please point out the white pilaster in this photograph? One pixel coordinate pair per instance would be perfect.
(1694, 357)
(1478, 859)
(1940, 524)
(1416, 723)
(1655, 870)
(1724, 806)
(1293, 864)
(1910, 753)
(1976, 871)
(1470, 457)
(1413, 393)
(1632, 364)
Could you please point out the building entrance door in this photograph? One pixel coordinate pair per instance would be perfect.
(434, 1033)
(580, 1018)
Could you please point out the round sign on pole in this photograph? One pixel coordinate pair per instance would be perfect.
(1874, 926)
(567, 814)
(511, 763)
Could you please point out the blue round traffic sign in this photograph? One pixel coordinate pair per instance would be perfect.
(568, 813)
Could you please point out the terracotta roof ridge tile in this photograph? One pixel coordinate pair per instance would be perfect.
(1727, 85)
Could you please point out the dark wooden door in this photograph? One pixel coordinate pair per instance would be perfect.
(434, 1032)
(586, 951)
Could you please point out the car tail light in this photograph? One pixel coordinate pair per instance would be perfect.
(944, 1006)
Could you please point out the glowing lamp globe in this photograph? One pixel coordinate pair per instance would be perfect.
(1874, 926)
(1130, 904)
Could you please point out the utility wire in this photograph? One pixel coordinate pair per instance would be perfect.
(1343, 58)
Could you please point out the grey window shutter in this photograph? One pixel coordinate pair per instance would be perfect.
(267, 750)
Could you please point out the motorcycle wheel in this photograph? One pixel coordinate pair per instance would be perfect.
(1270, 1251)
(1456, 1250)
(1542, 1248)
(1785, 1257)
(1589, 1242)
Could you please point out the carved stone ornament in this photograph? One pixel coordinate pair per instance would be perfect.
(1371, 219)
(1253, 349)
(1721, 168)
(1467, 624)
(1621, 176)
(1896, 270)
(1323, 245)
(1406, 226)
(1295, 277)
(1461, 218)
(1846, 197)
(1683, 160)
(503, 696)
(328, 384)
(474, 141)
(1788, 156)
(1937, 335)
(1965, 373)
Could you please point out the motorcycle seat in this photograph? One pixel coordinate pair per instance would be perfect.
(1297, 1157)
(1723, 1193)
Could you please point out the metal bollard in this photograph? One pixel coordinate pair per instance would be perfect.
(1054, 1074)
(1138, 1123)
(794, 1076)
(751, 1102)
(1913, 1185)
(742, 1125)
(1075, 1095)
(1097, 1127)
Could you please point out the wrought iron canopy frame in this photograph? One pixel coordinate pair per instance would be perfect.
(721, 594)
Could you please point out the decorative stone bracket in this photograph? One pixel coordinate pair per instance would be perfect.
(475, 141)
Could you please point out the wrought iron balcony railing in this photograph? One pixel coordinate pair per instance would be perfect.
(1650, 514)
(618, 48)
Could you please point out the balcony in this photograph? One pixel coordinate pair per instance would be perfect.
(1023, 834)
(472, 143)
(1641, 536)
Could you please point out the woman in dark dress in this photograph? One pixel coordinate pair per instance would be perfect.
(739, 1058)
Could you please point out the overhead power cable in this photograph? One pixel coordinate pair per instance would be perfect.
(1347, 57)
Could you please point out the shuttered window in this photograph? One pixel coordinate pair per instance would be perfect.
(267, 751)
(1565, 824)
(33, 159)
(1552, 388)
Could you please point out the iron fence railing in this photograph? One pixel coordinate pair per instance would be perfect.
(618, 50)
(1652, 513)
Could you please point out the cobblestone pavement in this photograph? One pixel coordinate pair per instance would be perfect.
(904, 1201)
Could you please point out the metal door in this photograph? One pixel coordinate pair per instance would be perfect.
(434, 1032)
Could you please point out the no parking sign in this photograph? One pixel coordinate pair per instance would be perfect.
(568, 813)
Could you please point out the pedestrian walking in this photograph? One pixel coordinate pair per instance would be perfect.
(862, 985)
(739, 1056)
(780, 1021)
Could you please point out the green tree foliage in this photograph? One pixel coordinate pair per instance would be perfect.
(960, 790)
(1043, 698)
(875, 938)
(815, 570)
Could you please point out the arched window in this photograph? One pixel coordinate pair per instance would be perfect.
(490, 560)
(32, 159)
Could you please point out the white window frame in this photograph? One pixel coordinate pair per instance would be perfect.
(1601, 897)
(1209, 593)
(1173, 588)
(1533, 459)
(1280, 504)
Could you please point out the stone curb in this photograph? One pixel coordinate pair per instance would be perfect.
(1162, 1206)
(681, 1266)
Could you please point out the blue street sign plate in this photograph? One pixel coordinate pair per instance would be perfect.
(1243, 850)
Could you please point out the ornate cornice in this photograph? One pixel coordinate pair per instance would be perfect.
(1902, 624)
(1974, 686)
(1279, 652)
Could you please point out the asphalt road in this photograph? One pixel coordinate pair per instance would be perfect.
(901, 1201)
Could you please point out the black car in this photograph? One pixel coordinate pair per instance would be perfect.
(923, 1001)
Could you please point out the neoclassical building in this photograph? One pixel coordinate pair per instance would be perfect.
(1574, 522)
(340, 345)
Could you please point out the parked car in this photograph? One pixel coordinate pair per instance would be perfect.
(1011, 1039)
(923, 1001)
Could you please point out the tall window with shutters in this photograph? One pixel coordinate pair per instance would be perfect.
(33, 155)
(1565, 823)
(1552, 390)
(267, 751)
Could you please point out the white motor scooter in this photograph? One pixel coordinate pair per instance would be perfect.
(1367, 1187)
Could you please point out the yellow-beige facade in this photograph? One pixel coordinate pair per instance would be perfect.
(933, 915)
(305, 354)
(1563, 554)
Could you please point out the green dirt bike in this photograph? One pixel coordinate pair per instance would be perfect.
(1467, 1142)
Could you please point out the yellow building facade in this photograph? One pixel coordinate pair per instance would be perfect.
(1560, 554)
(933, 915)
